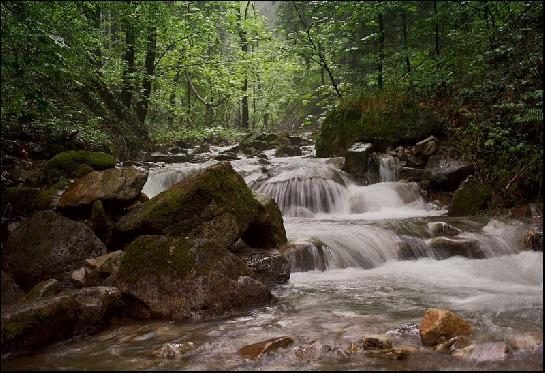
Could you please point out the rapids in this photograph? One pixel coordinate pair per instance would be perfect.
(355, 233)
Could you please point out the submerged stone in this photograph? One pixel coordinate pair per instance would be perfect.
(256, 350)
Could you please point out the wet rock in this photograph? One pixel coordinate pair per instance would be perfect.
(357, 158)
(43, 289)
(267, 229)
(18, 200)
(288, 151)
(215, 203)
(440, 228)
(426, 147)
(226, 157)
(174, 351)
(47, 245)
(203, 148)
(453, 344)
(439, 325)
(299, 141)
(304, 256)
(11, 292)
(101, 223)
(447, 247)
(398, 353)
(410, 173)
(270, 267)
(49, 198)
(376, 341)
(409, 329)
(79, 277)
(179, 278)
(446, 174)
(65, 163)
(29, 326)
(533, 240)
(103, 270)
(118, 185)
(256, 350)
(469, 198)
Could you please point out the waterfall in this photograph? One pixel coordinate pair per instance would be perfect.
(388, 168)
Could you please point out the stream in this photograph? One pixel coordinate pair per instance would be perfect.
(349, 280)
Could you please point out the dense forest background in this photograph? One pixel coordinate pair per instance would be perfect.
(130, 76)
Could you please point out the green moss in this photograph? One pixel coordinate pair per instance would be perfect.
(156, 255)
(387, 117)
(65, 163)
(82, 170)
(44, 198)
(471, 196)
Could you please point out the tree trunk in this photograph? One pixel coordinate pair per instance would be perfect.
(245, 117)
(151, 49)
(380, 51)
(436, 28)
(406, 46)
(130, 68)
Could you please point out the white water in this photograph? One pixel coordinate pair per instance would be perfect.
(355, 233)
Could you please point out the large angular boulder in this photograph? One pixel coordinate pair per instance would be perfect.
(215, 203)
(32, 325)
(439, 325)
(469, 198)
(118, 185)
(446, 174)
(47, 245)
(267, 229)
(179, 278)
(357, 158)
(426, 147)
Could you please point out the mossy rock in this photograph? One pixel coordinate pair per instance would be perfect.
(47, 199)
(469, 198)
(20, 200)
(267, 230)
(215, 204)
(179, 278)
(379, 119)
(69, 163)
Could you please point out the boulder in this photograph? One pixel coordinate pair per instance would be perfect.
(469, 198)
(439, 228)
(101, 222)
(179, 278)
(288, 151)
(118, 185)
(66, 163)
(47, 245)
(426, 147)
(376, 341)
(48, 198)
(357, 158)
(446, 174)
(268, 266)
(256, 350)
(267, 229)
(227, 156)
(215, 203)
(32, 325)
(410, 173)
(102, 270)
(447, 247)
(439, 325)
(43, 289)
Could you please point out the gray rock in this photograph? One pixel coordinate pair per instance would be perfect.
(446, 174)
(46, 246)
(268, 266)
(440, 228)
(43, 289)
(357, 158)
(447, 247)
(469, 198)
(426, 147)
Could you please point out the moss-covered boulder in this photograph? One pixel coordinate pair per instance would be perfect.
(384, 120)
(69, 163)
(29, 326)
(48, 198)
(471, 196)
(114, 185)
(46, 246)
(179, 278)
(267, 229)
(17, 201)
(43, 289)
(215, 204)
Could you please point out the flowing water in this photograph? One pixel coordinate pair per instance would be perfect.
(365, 265)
